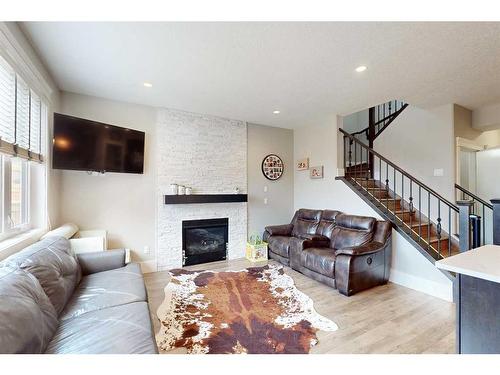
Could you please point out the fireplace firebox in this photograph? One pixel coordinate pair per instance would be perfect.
(204, 241)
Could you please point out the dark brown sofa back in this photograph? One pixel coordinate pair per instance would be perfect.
(305, 222)
(327, 223)
(352, 230)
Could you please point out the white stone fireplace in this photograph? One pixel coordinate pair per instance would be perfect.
(208, 154)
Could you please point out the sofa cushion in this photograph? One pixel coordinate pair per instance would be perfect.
(320, 260)
(352, 230)
(124, 329)
(279, 245)
(327, 223)
(54, 264)
(306, 222)
(106, 289)
(27, 318)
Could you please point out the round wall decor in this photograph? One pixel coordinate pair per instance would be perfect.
(272, 167)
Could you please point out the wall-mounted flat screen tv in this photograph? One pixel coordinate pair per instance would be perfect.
(86, 145)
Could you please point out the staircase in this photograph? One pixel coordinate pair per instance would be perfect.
(379, 118)
(425, 218)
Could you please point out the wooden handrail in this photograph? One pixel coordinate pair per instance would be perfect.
(400, 170)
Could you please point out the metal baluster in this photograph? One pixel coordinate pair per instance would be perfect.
(350, 153)
(355, 162)
(345, 154)
(411, 206)
(387, 184)
(394, 185)
(449, 230)
(483, 240)
(380, 176)
(419, 213)
(402, 201)
(439, 227)
(428, 220)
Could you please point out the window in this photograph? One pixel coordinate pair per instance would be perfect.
(23, 114)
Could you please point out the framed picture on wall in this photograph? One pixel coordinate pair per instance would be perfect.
(303, 164)
(316, 172)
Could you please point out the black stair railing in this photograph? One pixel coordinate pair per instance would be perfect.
(423, 213)
(481, 211)
(381, 115)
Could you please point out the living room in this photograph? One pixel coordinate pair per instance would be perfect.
(244, 187)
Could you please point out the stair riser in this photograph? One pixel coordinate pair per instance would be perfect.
(368, 183)
(444, 246)
(379, 194)
(405, 216)
(391, 204)
(424, 231)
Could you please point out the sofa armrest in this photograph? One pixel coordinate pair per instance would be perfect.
(99, 261)
(368, 248)
(280, 230)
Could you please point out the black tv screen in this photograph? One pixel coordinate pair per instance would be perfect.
(86, 145)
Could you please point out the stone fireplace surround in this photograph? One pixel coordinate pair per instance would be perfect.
(209, 154)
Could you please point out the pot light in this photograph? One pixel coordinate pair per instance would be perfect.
(361, 68)
(276, 112)
(147, 84)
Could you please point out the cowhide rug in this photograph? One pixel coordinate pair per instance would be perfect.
(256, 310)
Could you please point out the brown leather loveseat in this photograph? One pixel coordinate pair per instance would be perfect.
(347, 252)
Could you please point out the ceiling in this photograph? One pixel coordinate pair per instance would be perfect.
(246, 71)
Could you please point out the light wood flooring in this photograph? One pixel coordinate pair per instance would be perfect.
(385, 319)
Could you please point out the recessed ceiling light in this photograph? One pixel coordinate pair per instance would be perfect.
(147, 84)
(361, 68)
(276, 112)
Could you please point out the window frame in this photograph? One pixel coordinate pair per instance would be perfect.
(7, 229)
(34, 111)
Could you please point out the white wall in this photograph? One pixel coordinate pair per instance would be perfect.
(123, 204)
(262, 141)
(320, 144)
(486, 117)
(488, 174)
(420, 141)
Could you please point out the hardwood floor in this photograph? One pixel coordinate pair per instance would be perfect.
(386, 319)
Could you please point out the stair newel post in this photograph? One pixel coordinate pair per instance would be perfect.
(465, 209)
(496, 221)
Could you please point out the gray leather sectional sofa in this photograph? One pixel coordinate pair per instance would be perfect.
(52, 301)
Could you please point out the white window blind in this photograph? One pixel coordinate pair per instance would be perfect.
(7, 102)
(35, 123)
(21, 116)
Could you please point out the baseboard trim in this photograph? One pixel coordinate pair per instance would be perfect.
(426, 286)
(148, 266)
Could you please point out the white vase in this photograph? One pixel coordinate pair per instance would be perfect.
(173, 189)
(188, 190)
(181, 190)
